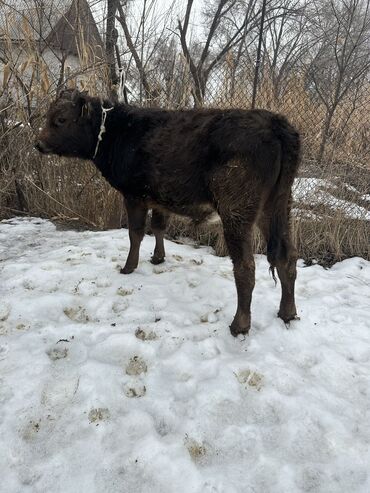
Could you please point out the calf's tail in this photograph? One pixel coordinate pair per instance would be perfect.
(280, 197)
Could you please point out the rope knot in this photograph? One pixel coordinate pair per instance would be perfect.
(102, 127)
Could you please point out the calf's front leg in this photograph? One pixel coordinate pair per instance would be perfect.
(136, 215)
(158, 226)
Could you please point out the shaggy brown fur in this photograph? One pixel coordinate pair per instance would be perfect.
(239, 163)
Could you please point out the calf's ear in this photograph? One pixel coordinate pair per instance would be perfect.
(61, 90)
(86, 110)
(76, 97)
(81, 99)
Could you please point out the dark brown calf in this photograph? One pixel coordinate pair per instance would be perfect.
(239, 163)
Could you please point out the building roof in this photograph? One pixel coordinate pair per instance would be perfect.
(58, 23)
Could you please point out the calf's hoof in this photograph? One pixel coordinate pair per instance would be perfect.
(157, 260)
(237, 329)
(288, 317)
(127, 269)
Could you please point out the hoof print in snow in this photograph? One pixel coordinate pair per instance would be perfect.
(72, 261)
(120, 306)
(28, 284)
(251, 378)
(197, 261)
(103, 283)
(77, 314)
(145, 335)
(22, 327)
(210, 317)
(196, 450)
(160, 269)
(56, 353)
(3, 350)
(31, 429)
(193, 282)
(124, 291)
(177, 257)
(136, 366)
(85, 287)
(4, 311)
(136, 390)
(99, 414)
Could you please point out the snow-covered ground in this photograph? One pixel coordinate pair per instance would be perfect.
(133, 384)
(314, 191)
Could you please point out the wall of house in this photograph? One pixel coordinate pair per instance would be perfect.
(38, 73)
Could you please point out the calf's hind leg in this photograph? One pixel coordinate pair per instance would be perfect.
(287, 274)
(158, 226)
(237, 195)
(136, 215)
(283, 257)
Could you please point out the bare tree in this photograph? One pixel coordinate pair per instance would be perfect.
(341, 62)
(232, 27)
(146, 34)
(110, 44)
(122, 18)
(201, 66)
(285, 43)
(258, 55)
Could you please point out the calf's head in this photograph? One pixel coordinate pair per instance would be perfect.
(71, 126)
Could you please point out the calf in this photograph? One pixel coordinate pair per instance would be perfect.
(238, 163)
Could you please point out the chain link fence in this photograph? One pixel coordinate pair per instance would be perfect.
(331, 196)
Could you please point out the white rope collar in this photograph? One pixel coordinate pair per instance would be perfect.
(102, 127)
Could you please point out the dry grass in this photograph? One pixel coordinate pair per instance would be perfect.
(331, 239)
(325, 241)
(55, 188)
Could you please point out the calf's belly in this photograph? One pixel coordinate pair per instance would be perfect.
(197, 213)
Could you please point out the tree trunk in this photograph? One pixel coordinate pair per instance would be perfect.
(325, 134)
(258, 57)
(110, 43)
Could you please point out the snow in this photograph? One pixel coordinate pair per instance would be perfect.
(312, 191)
(131, 384)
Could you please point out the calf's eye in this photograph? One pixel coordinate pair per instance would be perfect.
(60, 121)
